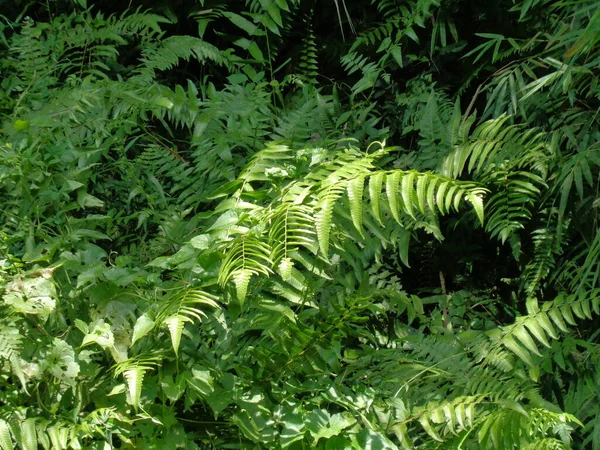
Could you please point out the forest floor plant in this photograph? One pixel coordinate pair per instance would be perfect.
(212, 236)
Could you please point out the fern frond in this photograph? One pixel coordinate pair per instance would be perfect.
(271, 157)
(510, 208)
(183, 307)
(134, 370)
(291, 227)
(536, 424)
(10, 349)
(166, 54)
(539, 323)
(494, 142)
(543, 261)
(324, 213)
(5, 439)
(247, 256)
(452, 416)
(308, 67)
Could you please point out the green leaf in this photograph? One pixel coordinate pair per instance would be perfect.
(273, 9)
(135, 378)
(175, 324)
(522, 353)
(392, 188)
(143, 325)
(241, 279)
(355, 195)
(431, 431)
(369, 439)
(241, 22)
(408, 193)
(375, 185)
(5, 439)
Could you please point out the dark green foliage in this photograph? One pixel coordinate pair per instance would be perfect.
(234, 225)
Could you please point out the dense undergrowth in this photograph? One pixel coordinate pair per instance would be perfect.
(294, 224)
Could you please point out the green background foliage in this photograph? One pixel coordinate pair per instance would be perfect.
(291, 224)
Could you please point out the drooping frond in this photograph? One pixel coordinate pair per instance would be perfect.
(542, 323)
(180, 308)
(167, 53)
(312, 210)
(134, 370)
(247, 256)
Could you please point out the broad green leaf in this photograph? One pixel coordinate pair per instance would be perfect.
(143, 325)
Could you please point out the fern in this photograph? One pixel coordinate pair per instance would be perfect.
(5, 438)
(169, 51)
(389, 37)
(541, 322)
(246, 256)
(134, 371)
(543, 261)
(308, 67)
(10, 350)
(182, 307)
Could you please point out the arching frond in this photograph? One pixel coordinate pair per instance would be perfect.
(182, 307)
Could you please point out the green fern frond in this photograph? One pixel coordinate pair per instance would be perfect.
(452, 416)
(388, 38)
(540, 323)
(324, 213)
(587, 275)
(407, 193)
(28, 435)
(5, 438)
(166, 54)
(308, 67)
(535, 425)
(544, 259)
(181, 308)
(510, 207)
(494, 142)
(271, 157)
(291, 227)
(247, 256)
(134, 370)
(10, 349)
